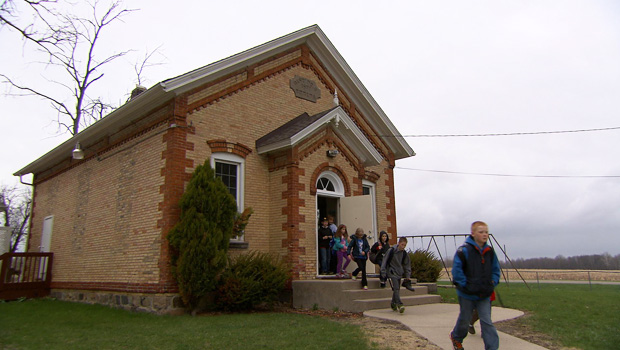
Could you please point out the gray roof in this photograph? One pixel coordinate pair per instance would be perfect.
(304, 126)
(313, 37)
(289, 129)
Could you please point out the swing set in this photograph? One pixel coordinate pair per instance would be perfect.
(433, 241)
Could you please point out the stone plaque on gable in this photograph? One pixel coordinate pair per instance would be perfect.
(305, 88)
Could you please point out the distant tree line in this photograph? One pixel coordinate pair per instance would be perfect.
(582, 262)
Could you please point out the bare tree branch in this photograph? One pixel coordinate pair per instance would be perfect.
(146, 62)
(70, 42)
(18, 204)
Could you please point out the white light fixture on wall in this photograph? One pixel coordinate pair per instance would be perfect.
(78, 153)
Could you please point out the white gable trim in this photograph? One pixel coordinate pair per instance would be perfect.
(346, 130)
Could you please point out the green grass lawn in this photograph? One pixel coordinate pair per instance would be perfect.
(574, 315)
(49, 324)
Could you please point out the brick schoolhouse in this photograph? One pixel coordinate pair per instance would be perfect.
(287, 125)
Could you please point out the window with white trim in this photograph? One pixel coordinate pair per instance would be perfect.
(329, 184)
(231, 169)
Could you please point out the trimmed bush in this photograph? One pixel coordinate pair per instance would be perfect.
(425, 266)
(251, 279)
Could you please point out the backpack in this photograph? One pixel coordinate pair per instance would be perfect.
(390, 255)
(373, 257)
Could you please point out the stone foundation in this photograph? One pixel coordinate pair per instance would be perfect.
(154, 303)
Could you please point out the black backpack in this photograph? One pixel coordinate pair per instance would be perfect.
(390, 255)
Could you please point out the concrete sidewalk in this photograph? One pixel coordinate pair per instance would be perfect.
(435, 322)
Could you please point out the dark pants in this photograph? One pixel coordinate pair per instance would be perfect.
(396, 290)
(361, 266)
(325, 255)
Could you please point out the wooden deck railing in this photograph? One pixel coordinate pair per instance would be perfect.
(26, 275)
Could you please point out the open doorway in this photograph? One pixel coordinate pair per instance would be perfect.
(354, 212)
(327, 206)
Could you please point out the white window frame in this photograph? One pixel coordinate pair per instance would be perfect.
(230, 158)
(335, 180)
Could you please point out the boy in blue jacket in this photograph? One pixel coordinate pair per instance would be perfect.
(475, 273)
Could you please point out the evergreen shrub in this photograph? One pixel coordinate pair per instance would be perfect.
(425, 266)
(250, 280)
(200, 240)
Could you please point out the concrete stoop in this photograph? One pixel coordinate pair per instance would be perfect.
(348, 295)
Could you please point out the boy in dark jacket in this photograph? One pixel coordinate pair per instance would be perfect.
(324, 236)
(396, 265)
(475, 273)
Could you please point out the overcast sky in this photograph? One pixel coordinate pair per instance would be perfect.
(436, 68)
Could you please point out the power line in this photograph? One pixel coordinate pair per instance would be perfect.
(508, 134)
(510, 175)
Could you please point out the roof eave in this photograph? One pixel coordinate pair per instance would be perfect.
(123, 115)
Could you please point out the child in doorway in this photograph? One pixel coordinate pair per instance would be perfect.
(324, 235)
(340, 247)
(358, 251)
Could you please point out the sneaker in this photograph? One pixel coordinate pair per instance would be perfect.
(393, 306)
(456, 345)
(401, 308)
(365, 287)
(471, 329)
(382, 284)
(353, 277)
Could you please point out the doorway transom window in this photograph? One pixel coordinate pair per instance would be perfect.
(329, 184)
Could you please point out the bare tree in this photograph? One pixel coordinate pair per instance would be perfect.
(70, 42)
(16, 204)
(43, 34)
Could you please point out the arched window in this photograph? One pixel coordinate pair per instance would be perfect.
(325, 184)
(329, 184)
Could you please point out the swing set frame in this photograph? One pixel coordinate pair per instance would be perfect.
(492, 239)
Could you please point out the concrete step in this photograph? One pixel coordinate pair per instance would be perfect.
(348, 295)
(373, 293)
(362, 305)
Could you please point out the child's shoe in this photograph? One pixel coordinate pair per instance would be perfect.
(365, 287)
(353, 277)
(401, 308)
(456, 345)
(393, 306)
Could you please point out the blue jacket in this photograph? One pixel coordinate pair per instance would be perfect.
(459, 274)
(340, 243)
(354, 249)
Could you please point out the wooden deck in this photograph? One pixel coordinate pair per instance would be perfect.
(25, 275)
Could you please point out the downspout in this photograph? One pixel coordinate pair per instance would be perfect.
(22, 181)
(27, 243)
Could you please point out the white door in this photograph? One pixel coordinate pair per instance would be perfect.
(46, 235)
(357, 212)
(46, 243)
